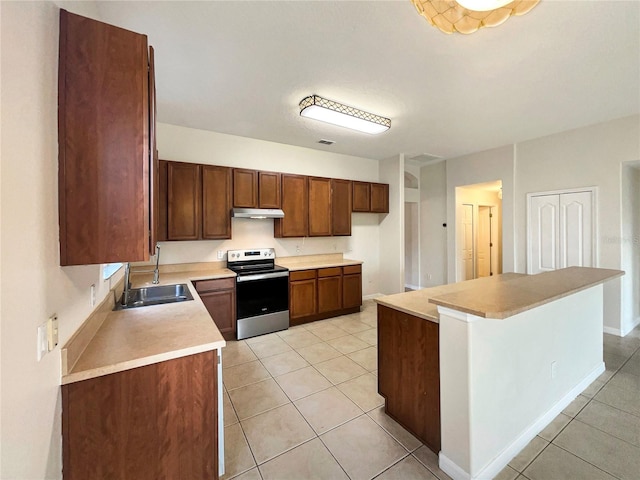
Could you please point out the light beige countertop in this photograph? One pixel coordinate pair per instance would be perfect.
(309, 262)
(114, 341)
(416, 303)
(500, 296)
(502, 300)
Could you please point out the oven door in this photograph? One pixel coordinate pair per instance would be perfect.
(262, 294)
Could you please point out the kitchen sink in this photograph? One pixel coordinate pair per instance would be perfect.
(157, 295)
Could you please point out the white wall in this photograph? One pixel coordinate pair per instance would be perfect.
(33, 285)
(199, 146)
(433, 214)
(585, 157)
(391, 278)
(482, 167)
(630, 246)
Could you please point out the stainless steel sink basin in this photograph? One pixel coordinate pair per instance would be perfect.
(157, 295)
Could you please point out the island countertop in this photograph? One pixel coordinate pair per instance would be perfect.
(500, 296)
(502, 300)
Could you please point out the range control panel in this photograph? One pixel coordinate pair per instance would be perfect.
(248, 255)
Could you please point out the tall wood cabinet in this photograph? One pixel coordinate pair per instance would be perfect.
(319, 207)
(105, 123)
(150, 422)
(340, 207)
(295, 204)
(195, 201)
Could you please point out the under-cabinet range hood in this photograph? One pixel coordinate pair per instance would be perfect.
(257, 213)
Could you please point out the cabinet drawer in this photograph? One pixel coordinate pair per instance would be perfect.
(351, 269)
(215, 284)
(330, 272)
(302, 275)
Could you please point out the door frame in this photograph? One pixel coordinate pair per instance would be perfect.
(595, 251)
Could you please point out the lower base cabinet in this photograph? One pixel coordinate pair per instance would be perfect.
(409, 373)
(316, 294)
(154, 422)
(219, 297)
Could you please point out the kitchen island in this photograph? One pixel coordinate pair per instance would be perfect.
(478, 368)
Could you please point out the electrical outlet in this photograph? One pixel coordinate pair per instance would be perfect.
(93, 295)
(297, 248)
(220, 254)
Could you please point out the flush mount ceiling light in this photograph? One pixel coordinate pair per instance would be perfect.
(467, 16)
(336, 113)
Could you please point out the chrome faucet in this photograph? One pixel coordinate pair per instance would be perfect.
(127, 284)
(156, 271)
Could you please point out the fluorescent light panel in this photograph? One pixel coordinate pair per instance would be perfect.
(328, 111)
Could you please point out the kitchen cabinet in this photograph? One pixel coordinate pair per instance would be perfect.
(352, 286)
(295, 204)
(216, 202)
(219, 297)
(195, 201)
(379, 198)
(245, 188)
(151, 422)
(409, 373)
(340, 207)
(361, 195)
(105, 122)
(183, 200)
(269, 190)
(316, 294)
(303, 300)
(329, 289)
(370, 197)
(319, 207)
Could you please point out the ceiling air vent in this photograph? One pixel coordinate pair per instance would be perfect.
(326, 142)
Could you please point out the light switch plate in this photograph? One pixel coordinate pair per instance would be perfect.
(52, 333)
(42, 340)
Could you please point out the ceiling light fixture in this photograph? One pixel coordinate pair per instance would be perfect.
(336, 113)
(468, 16)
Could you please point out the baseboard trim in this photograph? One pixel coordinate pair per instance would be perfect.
(502, 460)
(626, 331)
(613, 331)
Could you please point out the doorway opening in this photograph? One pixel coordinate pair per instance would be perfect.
(478, 230)
(411, 232)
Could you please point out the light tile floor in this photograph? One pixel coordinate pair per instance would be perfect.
(303, 404)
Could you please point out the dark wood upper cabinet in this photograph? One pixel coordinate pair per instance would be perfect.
(154, 165)
(184, 199)
(161, 226)
(340, 207)
(380, 198)
(295, 204)
(269, 190)
(245, 188)
(319, 207)
(216, 202)
(361, 195)
(103, 136)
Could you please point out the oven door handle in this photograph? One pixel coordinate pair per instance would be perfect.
(250, 278)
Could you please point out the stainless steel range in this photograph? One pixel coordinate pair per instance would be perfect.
(262, 292)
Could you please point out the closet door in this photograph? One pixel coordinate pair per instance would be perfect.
(543, 233)
(576, 232)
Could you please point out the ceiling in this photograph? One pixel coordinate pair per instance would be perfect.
(242, 67)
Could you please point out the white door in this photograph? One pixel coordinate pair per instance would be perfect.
(560, 231)
(484, 242)
(467, 244)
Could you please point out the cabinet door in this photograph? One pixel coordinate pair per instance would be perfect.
(340, 207)
(295, 204)
(163, 201)
(361, 194)
(245, 188)
(103, 139)
(154, 165)
(152, 422)
(351, 290)
(269, 190)
(184, 199)
(302, 298)
(380, 198)
(221, 306)
(216, 202)
(319, 207)
(329, 294)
